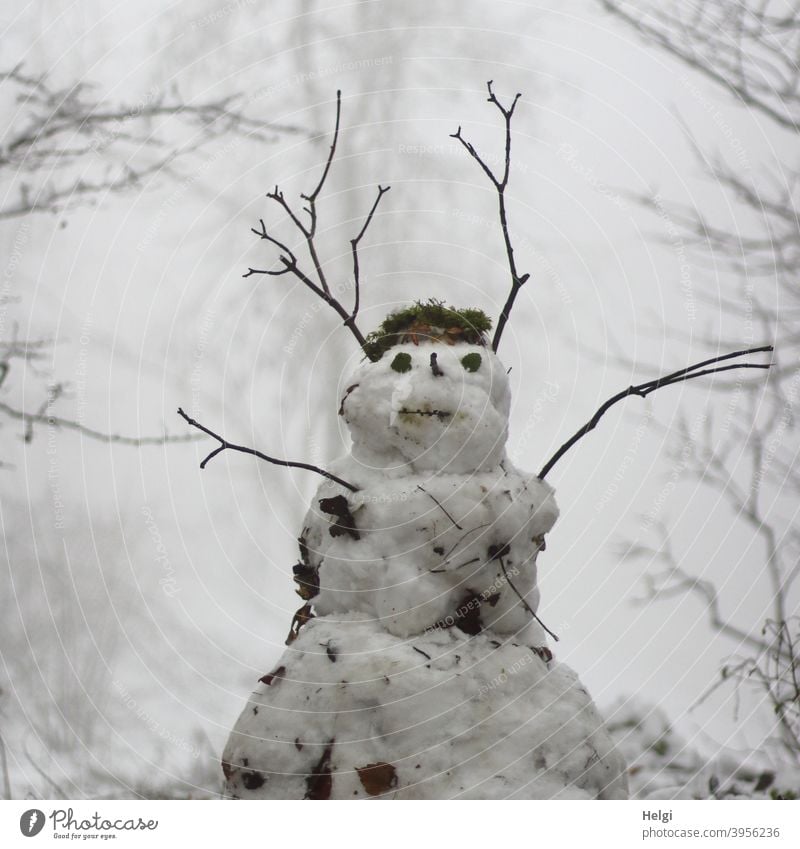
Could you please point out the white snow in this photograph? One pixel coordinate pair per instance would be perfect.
(425, 673)
(425, 543)
(417, 422)
(475, 718)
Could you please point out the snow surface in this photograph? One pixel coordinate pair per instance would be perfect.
(425, 543)
(662, 765)
(454, 715)
(426, 673)
(414, 421)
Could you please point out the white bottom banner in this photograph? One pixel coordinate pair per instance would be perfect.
(424, 824)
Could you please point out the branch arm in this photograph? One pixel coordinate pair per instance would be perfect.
(224, 444)
(644, 389)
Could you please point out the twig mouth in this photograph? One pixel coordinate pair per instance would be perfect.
(440, 414)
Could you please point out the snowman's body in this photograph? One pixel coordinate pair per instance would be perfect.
(425, 673)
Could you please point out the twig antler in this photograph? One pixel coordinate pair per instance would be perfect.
(308, 231)
(223, 444)
(644, 389)
(517, 280)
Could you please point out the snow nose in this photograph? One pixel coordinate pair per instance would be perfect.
(437, 372)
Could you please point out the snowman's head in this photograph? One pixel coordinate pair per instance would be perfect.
(440, 406)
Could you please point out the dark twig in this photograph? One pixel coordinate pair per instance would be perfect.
(308, 231)
(223, 444)
(517, 280)
(498, 552)
(439, 505)
(313, 196)
(644, 389)
(354, 248)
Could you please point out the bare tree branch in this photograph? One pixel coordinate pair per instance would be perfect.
(674, 580)
(42, 417)
(289, 260)
(224, 444)
(58, 129)
(749, 50)
(354, 248)
(644, 389)
(759, 67)
(500, 183)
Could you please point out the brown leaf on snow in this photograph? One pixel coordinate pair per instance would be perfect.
(377, 778)
(300, 618)
(320, 783)
(278, 673)
(543, 652)
(345, 523)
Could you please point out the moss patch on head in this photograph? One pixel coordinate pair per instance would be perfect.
(429, 321)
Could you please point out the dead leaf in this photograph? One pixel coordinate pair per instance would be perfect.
(268, 679)
(340, 510)
(377, 778)
(320, 783)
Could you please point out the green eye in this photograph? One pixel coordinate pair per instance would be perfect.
(402, 362)
(472, 362)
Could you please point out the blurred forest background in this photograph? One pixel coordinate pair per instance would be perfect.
(653, 200)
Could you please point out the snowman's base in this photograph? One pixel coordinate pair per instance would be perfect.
(352, 711)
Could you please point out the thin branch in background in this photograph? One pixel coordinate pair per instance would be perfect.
(308, 231)
(42, 417)
(644, 389)
(500, 183)
(53, 394)
(224, 444)
(60, 794)
(775, 669)
(775, 672)
(58, 127)
(762, 74)
(6, 777)
(673, 580)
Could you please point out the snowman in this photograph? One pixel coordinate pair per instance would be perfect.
(418, 667)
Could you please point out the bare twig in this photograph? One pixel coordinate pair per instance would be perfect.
(676, 581)
(761, 72)
(58, 127)
(775, 672)
(500, 183)
(224, 444)
(439, 505)
(6, 778)
(496, 553)
(644, 389)
(41, 417)
(59, 790)
(354, 248)
(308, 231)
